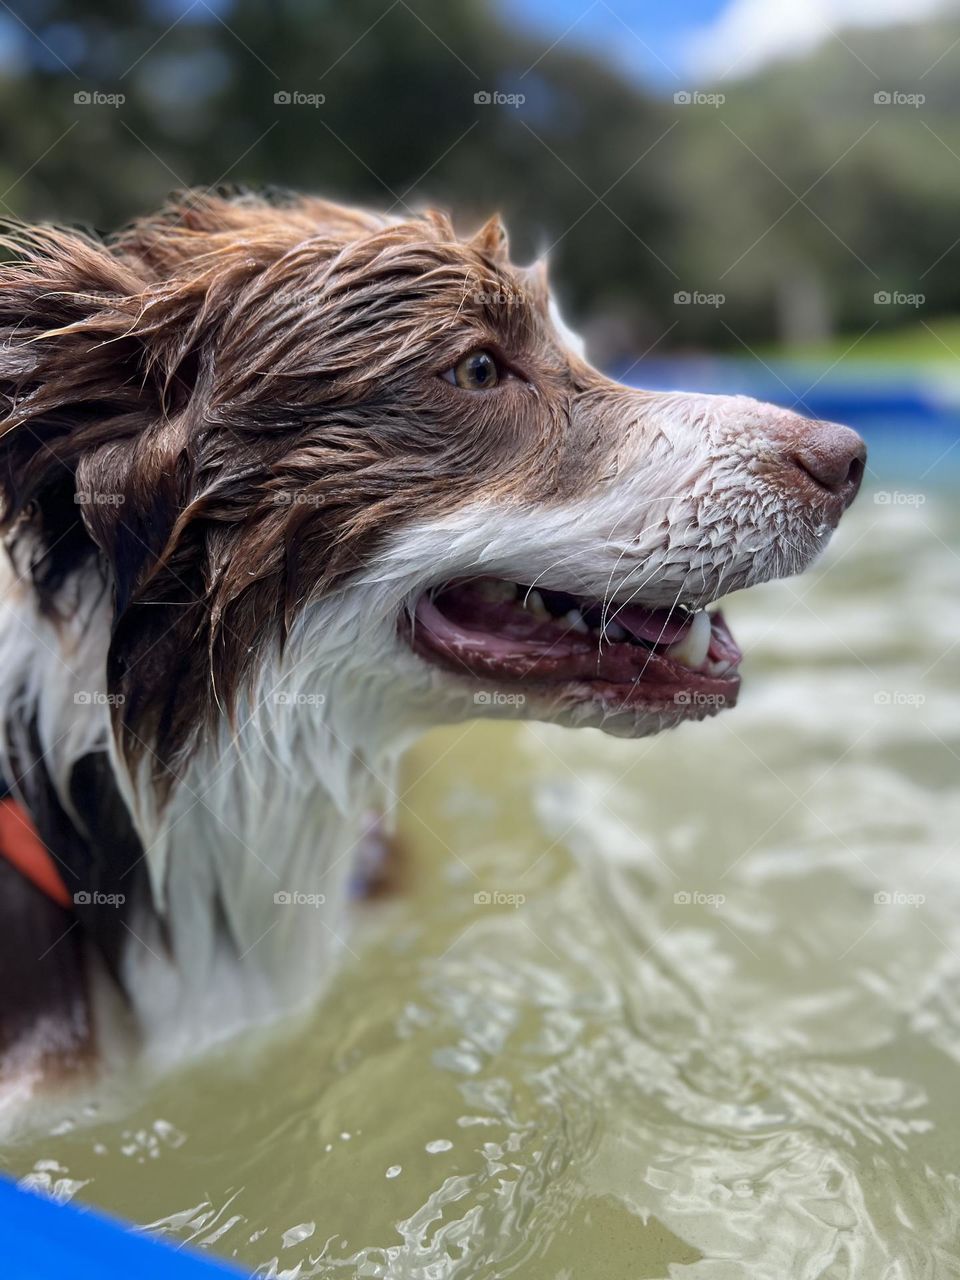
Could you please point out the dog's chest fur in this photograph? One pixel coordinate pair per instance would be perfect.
(229, 903)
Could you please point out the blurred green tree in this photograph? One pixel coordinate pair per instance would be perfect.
(798, 198)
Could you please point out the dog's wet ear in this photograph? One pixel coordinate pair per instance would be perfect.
(91, 389)
(491, 241)
(101, 379)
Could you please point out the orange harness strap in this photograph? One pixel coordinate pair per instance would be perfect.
(22, 847)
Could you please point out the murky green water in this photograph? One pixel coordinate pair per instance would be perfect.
(698, 1045)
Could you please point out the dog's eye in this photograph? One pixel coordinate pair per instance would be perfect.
(476, 372)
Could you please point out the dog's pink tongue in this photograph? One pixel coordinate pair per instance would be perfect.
(658, 626)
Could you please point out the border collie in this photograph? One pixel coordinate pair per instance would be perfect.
(282, 485)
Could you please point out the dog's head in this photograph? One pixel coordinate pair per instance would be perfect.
(304, 439)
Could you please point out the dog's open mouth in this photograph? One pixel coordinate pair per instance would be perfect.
(505, 634)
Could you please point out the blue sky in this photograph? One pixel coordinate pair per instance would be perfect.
(689, 43)
(621, 28)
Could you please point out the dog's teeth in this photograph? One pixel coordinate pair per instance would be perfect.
(615, 632)
(692, 649)
(574, 620)
(534, 602)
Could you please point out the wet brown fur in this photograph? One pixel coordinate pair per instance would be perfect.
(248, 391)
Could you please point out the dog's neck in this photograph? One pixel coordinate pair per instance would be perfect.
(253, 859)
(250, 857)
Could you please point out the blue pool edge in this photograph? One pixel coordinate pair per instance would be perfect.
(41, 1239)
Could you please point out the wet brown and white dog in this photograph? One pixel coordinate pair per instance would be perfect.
(284, 484)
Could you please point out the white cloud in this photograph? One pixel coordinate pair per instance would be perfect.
(750, 33)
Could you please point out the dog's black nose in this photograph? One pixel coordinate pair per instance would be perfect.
(834, 456)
